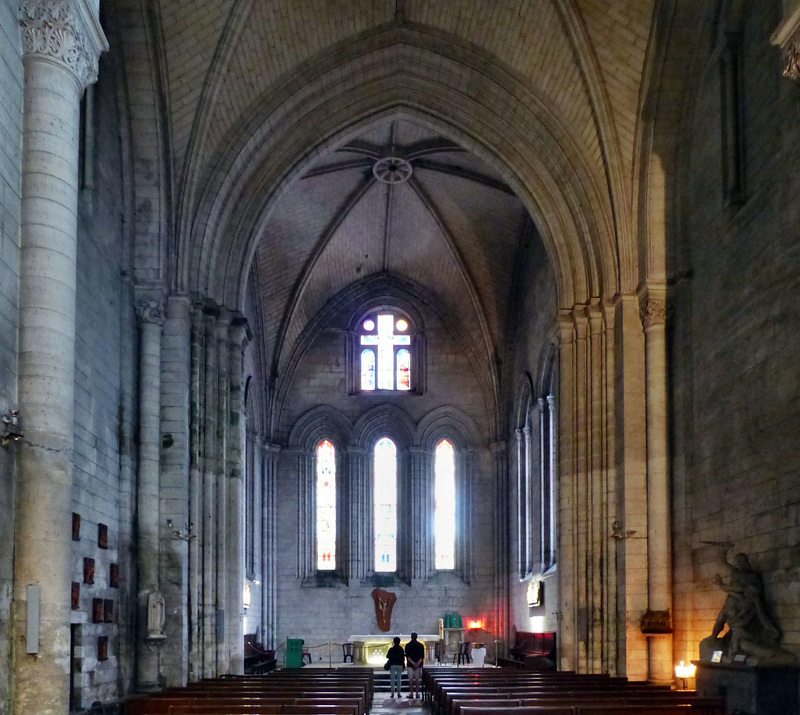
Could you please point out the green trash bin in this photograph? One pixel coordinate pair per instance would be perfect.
(294, 653)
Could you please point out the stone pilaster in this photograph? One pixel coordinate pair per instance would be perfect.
(361, 554)
(519, 443)
(235, 565)
(150, 314)
(659, 552)
(544, 466)
(421, 508)
(221, 522)
(61, 44)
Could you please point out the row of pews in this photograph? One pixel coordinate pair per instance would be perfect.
(287, 692)
(504, 691)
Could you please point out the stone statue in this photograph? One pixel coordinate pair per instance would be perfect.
(156, 612)
(751, 632)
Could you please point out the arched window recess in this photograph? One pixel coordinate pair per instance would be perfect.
(385, 352)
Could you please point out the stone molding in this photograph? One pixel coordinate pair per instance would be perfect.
(150, 311)
(65, 32)
(653, 312)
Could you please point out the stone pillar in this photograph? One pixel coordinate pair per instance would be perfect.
(527, 496)
(174, 493)
(150, 314)
(545, 461)
(361, 558)
(465, 467)
(221, 470)
(552, 457)
(61, 43)
(659, 553)
(567, 489)
(520, 510)
(196, 435)
(235, 565)
(269, 588)
(500, 474)
(210, 498)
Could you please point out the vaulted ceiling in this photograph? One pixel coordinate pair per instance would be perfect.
(219, 80)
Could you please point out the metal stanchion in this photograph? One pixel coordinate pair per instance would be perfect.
(330, 655)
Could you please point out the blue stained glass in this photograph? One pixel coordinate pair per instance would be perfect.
(367, 369)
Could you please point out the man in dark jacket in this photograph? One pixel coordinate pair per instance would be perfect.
(415, 655)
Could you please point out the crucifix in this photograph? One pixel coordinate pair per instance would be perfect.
(386, 339)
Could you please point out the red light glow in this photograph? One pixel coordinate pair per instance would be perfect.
(475, 624)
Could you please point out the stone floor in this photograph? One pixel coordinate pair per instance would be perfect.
(384, 704)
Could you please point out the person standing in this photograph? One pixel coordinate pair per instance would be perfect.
(396, 658)
(415, 655)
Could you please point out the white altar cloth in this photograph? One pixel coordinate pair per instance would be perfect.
(370, 649)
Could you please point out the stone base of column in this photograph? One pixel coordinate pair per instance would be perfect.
(659, 657)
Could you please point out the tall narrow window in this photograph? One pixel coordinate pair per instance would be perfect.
(326, 506)
(385, 353)
(385, 505)
(444, 518)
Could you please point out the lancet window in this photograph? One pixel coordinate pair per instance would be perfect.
(385, 505)
(326, 506)
(444, 513)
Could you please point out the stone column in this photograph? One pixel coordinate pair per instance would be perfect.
(196, 372)
(659, 554)
(545, 460)
(552, 457)
(210, 498)
(221, 520)
(465, 467)
(520, 510)
(235, 566)
(500, 473)
(566, 496)
(269, 588)
(527, 495)
(150, 314)
(61, 44)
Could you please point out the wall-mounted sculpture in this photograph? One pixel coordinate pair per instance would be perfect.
(384, 603)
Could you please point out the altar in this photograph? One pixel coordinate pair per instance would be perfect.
(371, 649)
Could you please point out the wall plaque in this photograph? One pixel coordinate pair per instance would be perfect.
(76, 526)
(102, 648)
(88, 570)
(113, 575)
(102, 536)
(97, 610)
(108, 610)
(76, 595)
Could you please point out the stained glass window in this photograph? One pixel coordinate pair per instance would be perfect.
(367, 369)
(326, 506)
(403, 369)
(444, 515)
(384, 333)
(385, 505)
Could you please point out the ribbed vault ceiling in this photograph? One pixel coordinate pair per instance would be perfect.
(452, 226)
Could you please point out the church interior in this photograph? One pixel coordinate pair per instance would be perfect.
(321, 312)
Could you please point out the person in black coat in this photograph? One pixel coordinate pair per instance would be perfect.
(396, 657)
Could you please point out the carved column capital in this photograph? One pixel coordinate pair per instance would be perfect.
(791, 59)
(653, 311)
(65, 32)
(150, 311)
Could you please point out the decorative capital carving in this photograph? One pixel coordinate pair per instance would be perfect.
(791, 58)
(150, 311)
(65, 32)
(653, 312)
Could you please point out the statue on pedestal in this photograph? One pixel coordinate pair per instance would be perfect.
(156, 612)
(751, 632)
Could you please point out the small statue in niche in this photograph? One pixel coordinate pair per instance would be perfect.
(156, 612)
(751, 632)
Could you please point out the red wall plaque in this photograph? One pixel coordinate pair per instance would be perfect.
(384, 603)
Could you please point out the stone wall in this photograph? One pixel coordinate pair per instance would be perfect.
(103, 333)
(533, 326)
(735, 341)
(11, 81)
(334, 611)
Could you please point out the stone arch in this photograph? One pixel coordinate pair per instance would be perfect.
(548, 370)
(372, 291)
(377, 78)
(384, 420)
(322, 422)
(447, 422)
